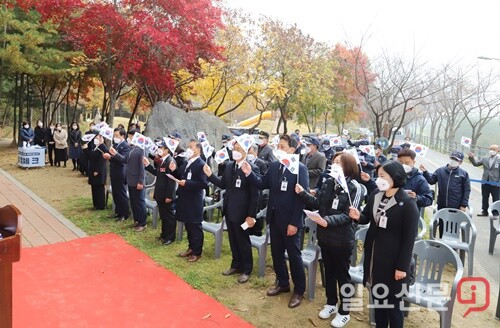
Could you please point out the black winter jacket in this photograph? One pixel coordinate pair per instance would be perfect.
(339, 233)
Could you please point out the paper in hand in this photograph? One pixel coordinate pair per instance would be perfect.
(313, 215)
(172, 177)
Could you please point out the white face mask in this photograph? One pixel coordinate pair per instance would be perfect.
(278, 152)
(326, 148)
(129, 140)
(189, 153)
(407, 168)
(92, 128)
(26, 126)
(59, 129)
(492, 153)
(117, 140)
(453, 163)
(52, 128)
(259, 142)
(250, 158)
(74, 127)
(382, 184)
(308, 150)
(237, 155)
(40, 124)
(335, 167)
(224, 144)
(97, 142)
(159, 152)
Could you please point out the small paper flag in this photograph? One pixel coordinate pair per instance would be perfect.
(466, 142)
(221, 156)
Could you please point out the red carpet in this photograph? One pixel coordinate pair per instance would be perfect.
(102, 281)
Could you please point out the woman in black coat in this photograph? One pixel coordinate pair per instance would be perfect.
(75, 138)
(393, 218)
(336, 233)
(97, 171)
(40, 134)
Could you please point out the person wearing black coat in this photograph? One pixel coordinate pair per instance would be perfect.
(26, 135)
(393, 218)
(97, 172)
(190, 199)
(117, 167)
(51, 145)
(164, 193)
(136, 179)
(239, 207)
(286, 219)
(335, 235)
(40, 134)
(75, 138)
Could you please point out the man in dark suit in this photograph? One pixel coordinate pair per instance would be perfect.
(164, 193)
(253, 159)
(286, 218)
(314, 160)
(240, 207)
(190, 199)
(265, 151)
(117, 167)
(135, 175)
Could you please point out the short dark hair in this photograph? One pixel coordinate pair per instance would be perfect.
(349, 165)
(121, 126)
(121, 130)
(77, 125)
(407, 152)
(292, 142)
(198, 144)
(132, 131)
(396, 172)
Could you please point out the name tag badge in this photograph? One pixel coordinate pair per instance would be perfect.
(238, 183)
(335, 204)
(496, 165)
(382, 223)
(284, 185)
(189, 175)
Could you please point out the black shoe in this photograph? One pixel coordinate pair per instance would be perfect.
(483, 214)
(167, 242)
(120, 219)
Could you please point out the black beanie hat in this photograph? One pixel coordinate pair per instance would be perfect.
(396, 172)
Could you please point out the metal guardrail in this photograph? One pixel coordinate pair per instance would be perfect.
(447, 146)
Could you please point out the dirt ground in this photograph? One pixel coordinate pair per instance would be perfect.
(57, 185)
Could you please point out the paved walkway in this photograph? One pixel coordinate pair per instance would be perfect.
(42, 224)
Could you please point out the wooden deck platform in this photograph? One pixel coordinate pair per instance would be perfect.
(42, 224)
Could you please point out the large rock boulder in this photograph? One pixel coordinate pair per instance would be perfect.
(166, 119)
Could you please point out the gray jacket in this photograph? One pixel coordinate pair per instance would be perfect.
(490, 173)
(135, 171)
(315, 164)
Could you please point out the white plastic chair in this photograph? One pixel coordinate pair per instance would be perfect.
(310, 256)
(459, 232)
(494, 212)
(422, 226)
(431, 257)
(260, 243)
(217, 229)
(152, 206)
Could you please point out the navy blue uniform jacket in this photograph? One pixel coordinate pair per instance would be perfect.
(284, 207)
(239, 202)
(189, 205)
(164, 186)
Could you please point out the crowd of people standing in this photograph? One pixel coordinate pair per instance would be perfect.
(397, 193)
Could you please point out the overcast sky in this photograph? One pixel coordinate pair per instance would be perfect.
(440, 31)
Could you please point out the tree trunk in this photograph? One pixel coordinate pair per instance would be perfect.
(16, 101)
(326, 121)
(136, 106)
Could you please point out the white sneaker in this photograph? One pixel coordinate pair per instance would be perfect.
(340, 320)
(327, 311)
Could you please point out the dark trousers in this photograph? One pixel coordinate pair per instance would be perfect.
(385, 317)
(51, 150)
(241, 248)
(486, 191)
(120, 198)
(168, 222)
(337, 277)
(98, 199)
(279, 243)
(138, 204)
(195, 237)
